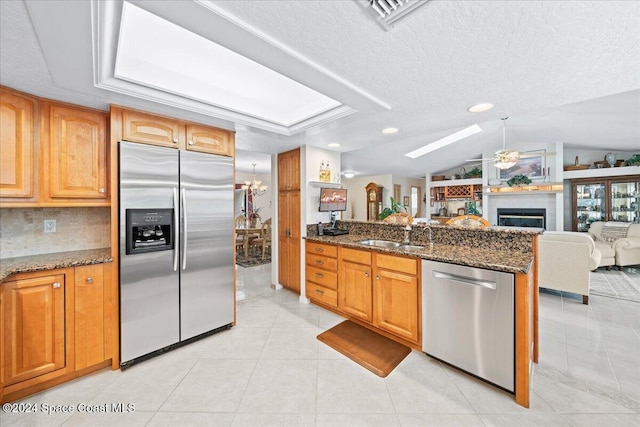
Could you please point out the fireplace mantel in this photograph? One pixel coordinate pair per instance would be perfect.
(543, 187)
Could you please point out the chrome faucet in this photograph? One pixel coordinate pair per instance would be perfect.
(407, 235)
(430, 237)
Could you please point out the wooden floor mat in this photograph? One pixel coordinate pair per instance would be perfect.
(374, 352)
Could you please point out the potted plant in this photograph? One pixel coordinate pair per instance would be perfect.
(518, 180)
(394, 208)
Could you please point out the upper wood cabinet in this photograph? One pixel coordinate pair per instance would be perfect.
(289, 170)
(17, 164)
(210, 140)
(75, 153)
(152, 129)
(33, 336)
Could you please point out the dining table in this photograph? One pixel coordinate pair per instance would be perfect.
(246, 233)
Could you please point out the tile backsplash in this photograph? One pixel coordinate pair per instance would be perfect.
(22, 230)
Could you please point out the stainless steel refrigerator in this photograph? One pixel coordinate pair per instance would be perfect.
(176, 247)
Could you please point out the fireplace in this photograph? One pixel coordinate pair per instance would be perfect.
(522, 217)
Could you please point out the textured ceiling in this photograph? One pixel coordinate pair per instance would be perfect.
(562, 71)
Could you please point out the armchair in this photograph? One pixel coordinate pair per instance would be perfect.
(564, 261)
(621, 251)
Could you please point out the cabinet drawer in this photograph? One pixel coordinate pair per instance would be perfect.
(396, 263)
(323, 277)
(322, 262)
(322, 294)
(322, 249)
(355, 255)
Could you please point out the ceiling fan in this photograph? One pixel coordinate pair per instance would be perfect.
(506, 157)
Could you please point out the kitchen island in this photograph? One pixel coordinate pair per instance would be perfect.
(398, 273)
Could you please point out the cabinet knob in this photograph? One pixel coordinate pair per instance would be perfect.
(102, 190)
(175, 140)
(318, 291)
(319, 250)
(377, 277)
(319, 262)
(89, 280)
(320, 275)
(366, 273)
(56, 285)
(191, 142)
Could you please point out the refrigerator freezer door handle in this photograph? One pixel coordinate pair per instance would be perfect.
(183, 199)
(175, 221)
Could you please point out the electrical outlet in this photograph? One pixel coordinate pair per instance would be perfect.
(49, 225)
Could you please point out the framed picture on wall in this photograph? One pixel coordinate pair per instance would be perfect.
(532, 167)
(405, 201)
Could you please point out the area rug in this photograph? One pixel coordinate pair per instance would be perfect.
(615, 284)
(372, 351)
(252, 261)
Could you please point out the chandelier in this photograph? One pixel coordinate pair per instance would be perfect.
(254, 185)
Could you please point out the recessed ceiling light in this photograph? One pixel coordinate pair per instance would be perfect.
(479, 108)
(461, 134)
(333, 144)
(349, 174)
(389, 131)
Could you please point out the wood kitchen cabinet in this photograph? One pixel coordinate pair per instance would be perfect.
(289, 170)
(396, 288)
(322, 273)
(210, 140)
(57, 325)
(151, 129)
(75, 154)
(354, 283)
(33, 332)
(51, 153)
(289, 239)
(89, 316)
(17, 146)
(377, 290)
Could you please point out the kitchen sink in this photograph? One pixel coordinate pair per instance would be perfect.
(380, 243)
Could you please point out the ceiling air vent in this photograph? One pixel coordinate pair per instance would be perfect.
(390, 12)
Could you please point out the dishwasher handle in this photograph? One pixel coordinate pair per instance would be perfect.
(466, 280)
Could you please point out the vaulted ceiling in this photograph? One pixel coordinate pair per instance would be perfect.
(562, 71)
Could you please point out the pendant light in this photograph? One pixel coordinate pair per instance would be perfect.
(504, 159)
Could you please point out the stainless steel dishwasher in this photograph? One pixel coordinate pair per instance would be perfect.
(468, 320)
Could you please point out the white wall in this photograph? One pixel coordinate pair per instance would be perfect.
(357, 197)
(313, 160)
(406, 183)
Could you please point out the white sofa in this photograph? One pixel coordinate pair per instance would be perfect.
(564, 261)
(621, 251)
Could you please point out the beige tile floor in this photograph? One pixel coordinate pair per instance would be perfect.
(270, 370)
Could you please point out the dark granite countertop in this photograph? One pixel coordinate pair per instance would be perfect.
(492, 259)
(28, 264)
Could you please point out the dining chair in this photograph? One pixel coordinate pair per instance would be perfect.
(264, 241)
(469, 221)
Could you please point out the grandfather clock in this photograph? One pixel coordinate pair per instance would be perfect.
(374, 201)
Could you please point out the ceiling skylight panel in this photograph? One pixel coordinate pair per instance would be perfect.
(159, 54)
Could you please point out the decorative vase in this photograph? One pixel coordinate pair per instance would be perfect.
(611, 159)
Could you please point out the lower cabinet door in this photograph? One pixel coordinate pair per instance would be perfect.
(89, 316)
(33, 318)
(355, 294)
(396, 308)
